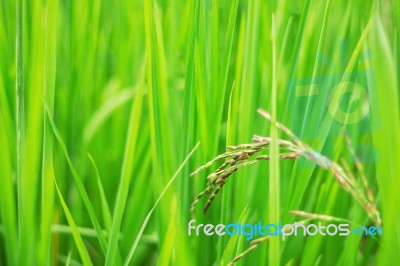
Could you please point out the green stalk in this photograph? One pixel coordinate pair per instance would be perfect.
(47, 203)
(146, 220)
(20, 101)
(274, 178)
(83, 252)
(7, 202)
(126, 175)
(226, 197)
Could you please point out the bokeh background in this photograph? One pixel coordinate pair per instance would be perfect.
(102, 101)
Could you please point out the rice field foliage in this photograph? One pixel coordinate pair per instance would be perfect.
(107, 107)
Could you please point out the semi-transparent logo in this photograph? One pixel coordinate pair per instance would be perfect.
(250, 231)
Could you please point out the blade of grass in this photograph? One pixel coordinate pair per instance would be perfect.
(104, 112)
(20, 104)
(224, 79)
(161, 129)
(233, 240)
(146, 220)
(316, 68)
(7, 202)
(188, 108)
(274, 177)
(386, 140)
(83, 231)
(104, 204)
(8, 206)
(79, 185)
(30, 149)
(232, 134)
(47, 200)
(214, 54)
(170, 239)
(126, 175)
(74, 229)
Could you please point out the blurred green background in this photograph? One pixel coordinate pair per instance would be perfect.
(102, 101)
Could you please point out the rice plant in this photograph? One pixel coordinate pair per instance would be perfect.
(108, 107)
(244, 155)
(241, 156)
